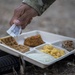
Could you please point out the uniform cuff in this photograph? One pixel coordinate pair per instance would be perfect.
(36, 4)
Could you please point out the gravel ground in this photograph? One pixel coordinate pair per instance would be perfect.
(59, 19)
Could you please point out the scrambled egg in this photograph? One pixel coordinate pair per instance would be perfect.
(55, 52)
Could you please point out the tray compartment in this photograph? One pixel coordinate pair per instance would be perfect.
(10, 50)
(42, 58)
(34, 41)
(52, 50)
(69, 45)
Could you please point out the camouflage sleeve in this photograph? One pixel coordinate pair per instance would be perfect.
(39, 5)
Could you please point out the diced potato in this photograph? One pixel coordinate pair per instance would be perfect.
(58, 54)
(56, 57)
(55, 52)
(62, 52)
(50, 47)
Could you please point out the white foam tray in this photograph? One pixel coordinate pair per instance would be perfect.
(48, 38)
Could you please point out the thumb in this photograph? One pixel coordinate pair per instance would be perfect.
(17, 22)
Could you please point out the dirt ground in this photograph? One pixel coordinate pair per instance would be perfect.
(59, 18)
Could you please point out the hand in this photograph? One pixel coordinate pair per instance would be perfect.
(23, 15)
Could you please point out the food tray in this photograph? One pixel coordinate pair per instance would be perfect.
(48, 38)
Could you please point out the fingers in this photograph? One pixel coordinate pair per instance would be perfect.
(17, 13)
(15, 16)
(23, 15)
(27, 17)
(24, 20)
(21, 20)
(28, 20)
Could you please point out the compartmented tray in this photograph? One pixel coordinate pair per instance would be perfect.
(34, 55)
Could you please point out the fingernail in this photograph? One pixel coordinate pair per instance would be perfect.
(17, 22)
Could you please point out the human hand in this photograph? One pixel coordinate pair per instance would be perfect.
(23, 15)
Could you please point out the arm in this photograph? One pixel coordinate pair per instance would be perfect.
(39, 5)
(27, 10)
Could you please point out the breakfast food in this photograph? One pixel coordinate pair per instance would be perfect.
(55, 52)
(11, 42)
(68, 44)
(33, 41)
(21, 48)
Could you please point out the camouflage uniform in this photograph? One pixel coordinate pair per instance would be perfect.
(39, 5)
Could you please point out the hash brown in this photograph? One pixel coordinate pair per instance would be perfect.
(33, 41)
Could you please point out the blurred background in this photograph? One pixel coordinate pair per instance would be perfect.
(59, 18)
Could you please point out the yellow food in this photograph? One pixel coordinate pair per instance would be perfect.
(48, 47)
(55, 52)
